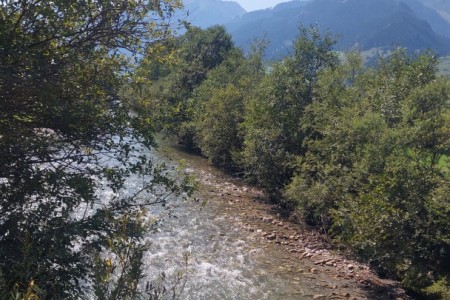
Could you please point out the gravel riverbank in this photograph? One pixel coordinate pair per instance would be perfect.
(293, 251)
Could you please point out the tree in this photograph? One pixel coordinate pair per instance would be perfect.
(199, 51)
(273, 135)
(375, 168)
(218, 106)
(65, 135)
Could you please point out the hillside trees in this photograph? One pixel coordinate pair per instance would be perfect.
(65, 137)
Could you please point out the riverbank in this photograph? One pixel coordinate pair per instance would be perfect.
(294, 251)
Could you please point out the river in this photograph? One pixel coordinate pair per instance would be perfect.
(238, 246)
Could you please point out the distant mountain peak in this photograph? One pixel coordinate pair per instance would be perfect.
(205, 13)
(365, 24)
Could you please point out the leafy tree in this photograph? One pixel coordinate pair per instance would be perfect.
(198, 51)
(64, 136)
(217, 127)
(375, 168)
(272, 132)
(318, 184)
(218, 106)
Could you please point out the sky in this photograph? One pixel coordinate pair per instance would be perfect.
(250, 5)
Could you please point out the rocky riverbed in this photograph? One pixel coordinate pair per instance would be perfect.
(282, 248)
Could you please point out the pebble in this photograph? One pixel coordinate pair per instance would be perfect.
(271, 236)
(267, 219)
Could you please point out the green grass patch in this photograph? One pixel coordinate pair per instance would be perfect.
(444, 66)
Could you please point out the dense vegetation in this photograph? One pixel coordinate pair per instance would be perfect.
(362, 153)
(68, 143)
(359, 152)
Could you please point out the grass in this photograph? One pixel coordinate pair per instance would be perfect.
(444, 66)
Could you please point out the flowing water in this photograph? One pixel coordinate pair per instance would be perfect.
(227, 255)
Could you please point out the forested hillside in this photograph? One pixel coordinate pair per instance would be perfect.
(359, 152)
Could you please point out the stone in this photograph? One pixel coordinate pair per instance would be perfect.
(271, 236)
(267, 219)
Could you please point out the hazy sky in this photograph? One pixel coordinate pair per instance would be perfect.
(250, 5)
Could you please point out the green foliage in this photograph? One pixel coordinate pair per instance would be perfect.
(444, 66)
(438, 290)
(166, 98)
(273, 114)
(375, 166)
(217, 129)
(362, 153)
(65, 135)
(218, 106)
(204, 93)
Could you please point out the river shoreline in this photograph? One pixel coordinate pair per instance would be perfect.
(296, 251)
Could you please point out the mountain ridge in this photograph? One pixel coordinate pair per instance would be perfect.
(361, 24)
(204, 13)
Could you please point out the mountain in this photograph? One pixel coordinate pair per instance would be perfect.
(434, 16)
(361, 24)
(205, 13)
(441, 6)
